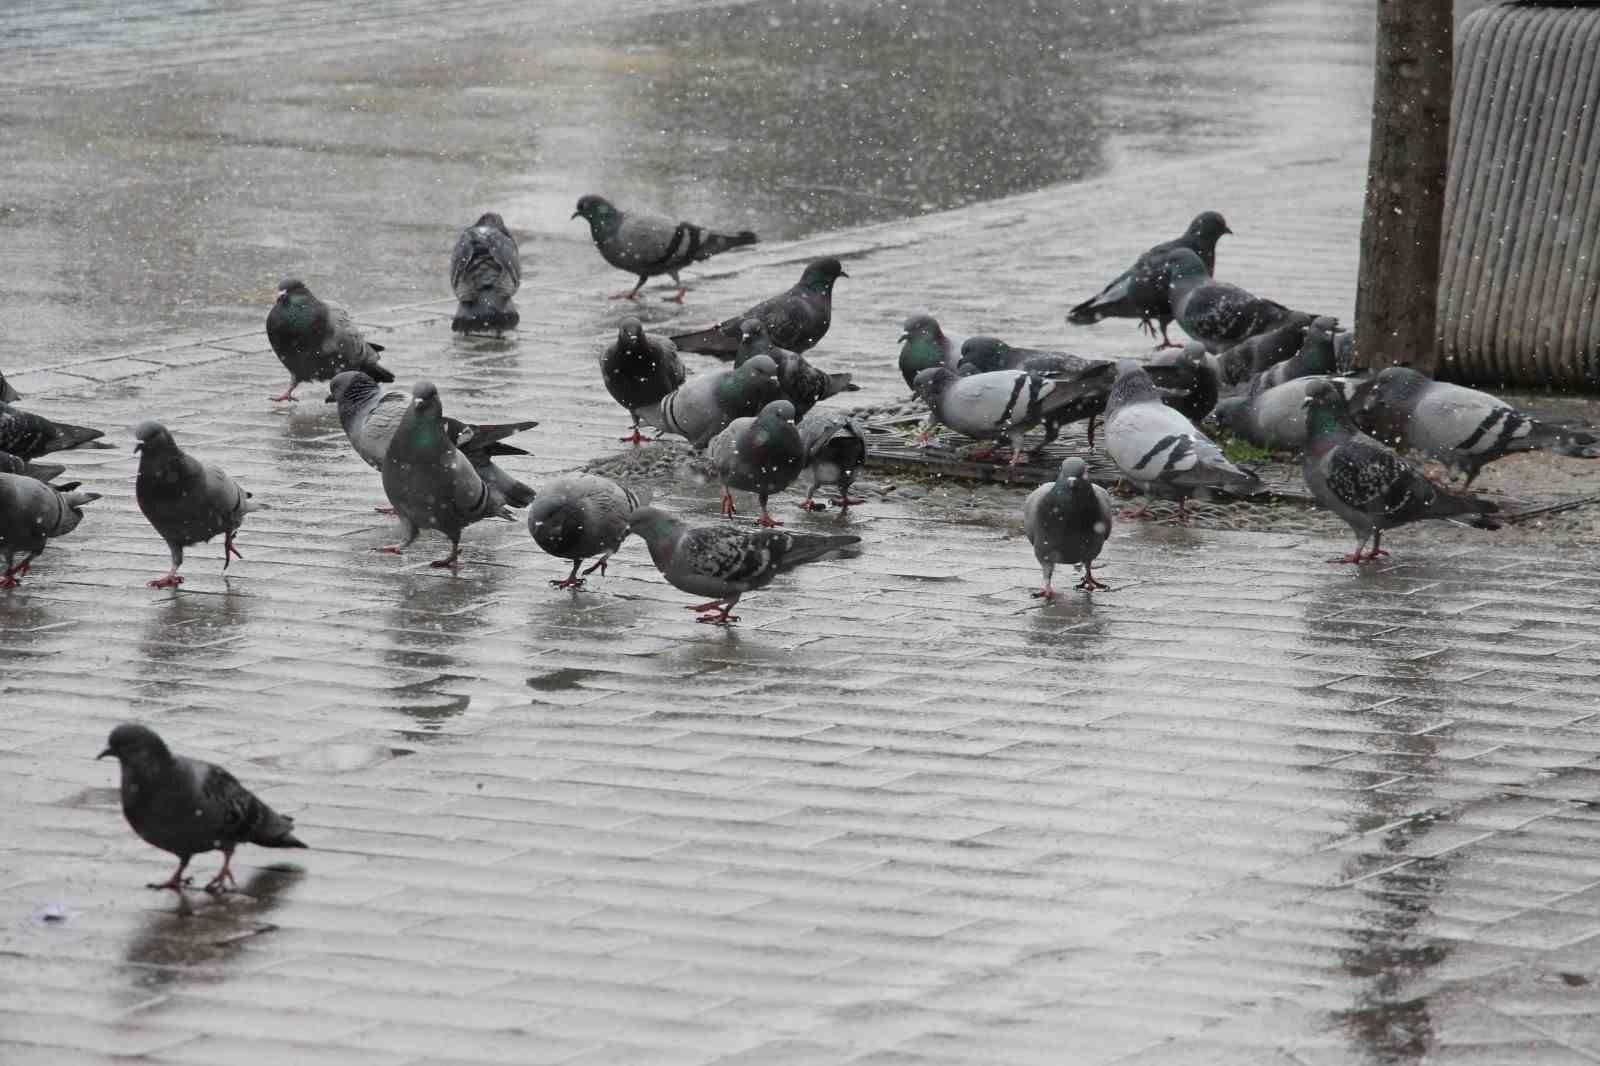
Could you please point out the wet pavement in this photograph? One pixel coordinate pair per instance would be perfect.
(1244, 808)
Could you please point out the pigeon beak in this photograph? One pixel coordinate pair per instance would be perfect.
(575, 214)
(1305, 403)
(1226, 229)
(842, 274)
(904, 337)
(103, 754)
(136, 447)
(330, 398)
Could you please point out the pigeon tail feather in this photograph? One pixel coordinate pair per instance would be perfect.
(709, 341)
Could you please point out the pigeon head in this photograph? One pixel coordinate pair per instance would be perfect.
(630, 331)
(293, 291)
(493, 220)
(778, 410)
(1394, 389)
(556, 524)
(753, 328)
(820, 274)
(985, 353)
(425, 398)
(133, 742)
(1208, 226)
(931, 383)
(1132, 386)
(1232, 414)
(758, 366)
(920, 327)
(657, 529)
(1071, 470)
(1325, 410)
(152, 437)
(349, 385)
(594, 208)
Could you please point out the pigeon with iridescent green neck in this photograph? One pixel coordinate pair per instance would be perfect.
(924, 345)
(704, 405)
(762, 455)
(796, 319)
(316, 339)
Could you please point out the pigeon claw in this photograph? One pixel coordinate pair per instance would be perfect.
(1354, 557)
(384, 510)
(727, 504)
(711, 605)
(675, 299)
(720, 619)
(767, 520)
(1089, 584)
(849, 501)
(449, 562)
(635, 437)
(390, 549)
(573, 583)
(166, 581)
(1048, 593)
(599, 564)
(229, 552)
(634, 295)
(808, 504)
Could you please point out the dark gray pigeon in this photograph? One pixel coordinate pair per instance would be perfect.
(1215, 313)
(370, 416)
(430, 483)
(189, 807)
(1315, 357)
(485, 271)
(315, 339)
(1003, 405)
(28, 436)
(1189, 380)
(725, 561)
(796, 319)
(705, 404)
(1272, 418)
(7, 393)
(1068, 521)
(924, 345)
(1463, 428)
(651, 245)
(1141, 290)
(639, 369)
(1237, 366)
(1160, 450)
(31, 513)
(580, 515)
(187, 501)
(47, 472)
(762, 455)
(987, 354)
(1369, 486)
(836, 451)
(803, 384)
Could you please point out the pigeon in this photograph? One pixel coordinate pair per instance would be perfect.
(187, 807)
(1067, 521)
(923, 346)
(7, 393)
(1160, 450)
(485, 271)
(1367, 484)
(1315, 357)
(46, 472)
(187, 501)
(1272, 418)
(639, 369)
(986, 354)
(762, 455)
(580, 515)
(803, 384)
(1191, 375)
(1215, 313)
(431, 484)
(725, 561)
(796, 319)
(315, 339)
(1141, 291)
(652, 245)
(28, 436)
(32, 512)
(836, 451)
(704, 405)
(371, 415)
(1238, 365)
(1463, 428)
(1002, 405)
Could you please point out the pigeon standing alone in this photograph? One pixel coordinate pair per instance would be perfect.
(1215, 313)
(315, 339)
(1141, 290)
(1068, 521)
(725, 561)
(485, 271)
(31, 513)
(836, 451)
(924, 345)
(803, 384)
(28, 436)
(580, 515)
(186, 500)
(762, 455)
(651, 245)
(639, 369)
(704, 405)
(188, 807)
(796, 319)
(1369, 486)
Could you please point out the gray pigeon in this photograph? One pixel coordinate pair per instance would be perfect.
(1188, 378)
(1002, 405)
(651, 245)
(836, 451)
(987, 354)
(1141, 290)
(32, 512)
(485, 271)
(1068, 521)
(7, 393)
(370, 415)
(1160, 450)
(762, 455)
(1369, 486)
(1315, 357)
(188, 807)
(47, 472)
(803, 384)
(1272, 418)
(430, 483)
(639, 369)
(28, 436)
(1463, 428)
(315, 339)
(187, 501)
(704, 405)
(1215, 313)
(725, 561)
(1237, 366)
(796, 319)
(580, 515)
(923, 346)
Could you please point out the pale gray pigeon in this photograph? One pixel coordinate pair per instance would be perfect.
(28, 436)
(186, 500)
(803, 384)
(189, 807)
(1160, 450)
(651, 245)
(1003, 405)
(580, 515)
(1272, 418)
(31, 513)
(987, 354)
(923, 346)
(796, 319)
(725, 561)
(1068, 521)
(315, 339)
(485, 271)
(836, 451)
(639, 369)
(1141, 290)
(704, 405)
(762, 455)
(1369, 486)
(1215, 313)
(430, 483)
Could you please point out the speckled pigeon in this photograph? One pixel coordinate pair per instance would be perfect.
(763, 455)
(1067, 521)
(1141, 291)
(725, 561)
(186, 500)
(836, 451)
(31, 513)
(28, 436)
(987, 354)
(485, 271)
(1215, 313)
(924, 345)
(796, 319)
(315, 339)
(189, 807)
(580, 515)
(639, 369)
(705, 404)
(1003, 405)
(651, 245)
(803, 384)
